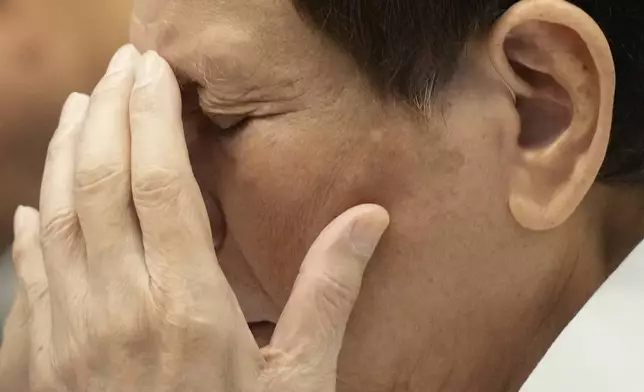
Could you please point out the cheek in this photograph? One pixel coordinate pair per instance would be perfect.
(277, 194)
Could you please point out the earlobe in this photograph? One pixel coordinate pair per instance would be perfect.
(557, 62)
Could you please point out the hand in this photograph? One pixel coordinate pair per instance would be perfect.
(125, 293)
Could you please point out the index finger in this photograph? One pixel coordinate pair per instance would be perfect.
(186, 281)
(174, 223)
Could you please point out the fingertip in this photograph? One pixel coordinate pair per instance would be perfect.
(148, 70)
(151, 70)
(156, 90)
(364, 211)
(372, 211)
(25, 219)
(368, 226)
(355, 234)
(74, 108)
(26, 242)
(125, 57)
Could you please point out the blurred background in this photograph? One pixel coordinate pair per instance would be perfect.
(48, 49)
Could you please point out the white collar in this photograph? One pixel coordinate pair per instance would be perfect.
(602, 349)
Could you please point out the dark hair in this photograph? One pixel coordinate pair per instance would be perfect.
(410, 46)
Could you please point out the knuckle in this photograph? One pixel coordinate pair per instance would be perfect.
(101, 177)
(43, 374)
(39, 382)
(153, 185)
(122, 317)
(29, 273)
(170, 310)
(332, 293)
(22, 248)
(180, 309)
(37, 292)
(66, 363)
(62, 226)
(98, 343)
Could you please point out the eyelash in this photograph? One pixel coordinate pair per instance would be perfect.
(192, 106)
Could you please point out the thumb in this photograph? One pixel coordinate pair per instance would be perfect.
(312, 325)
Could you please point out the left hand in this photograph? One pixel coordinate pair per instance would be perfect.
(124, 290)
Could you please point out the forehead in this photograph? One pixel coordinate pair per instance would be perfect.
(189, 32)
(162, 22)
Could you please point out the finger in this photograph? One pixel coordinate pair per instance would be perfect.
(173, 219)
(56, 194)
(62, 243)
(102, 180)
(30, 269)
(313, 322)
(14, 352)
(28, 258)
(186, 281)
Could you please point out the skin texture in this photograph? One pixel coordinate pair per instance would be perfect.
(47, 50)
(494, 243)
(153, 310)
(498, 234)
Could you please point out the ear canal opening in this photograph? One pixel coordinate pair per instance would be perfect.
(545, 115)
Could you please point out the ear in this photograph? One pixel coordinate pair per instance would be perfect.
(558, 63)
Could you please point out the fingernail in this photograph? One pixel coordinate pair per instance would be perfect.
(366, 233)
(74, 107)
(122, 59)
(148, 70)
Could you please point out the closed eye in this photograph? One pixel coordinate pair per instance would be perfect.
(193, 105)
(229, 124)
(229, 120)
(226, 121)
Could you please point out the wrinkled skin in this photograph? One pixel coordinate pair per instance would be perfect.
(456, 278)
(494, 244)
(120, 285)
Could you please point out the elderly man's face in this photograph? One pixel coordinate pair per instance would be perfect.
(293, 135)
